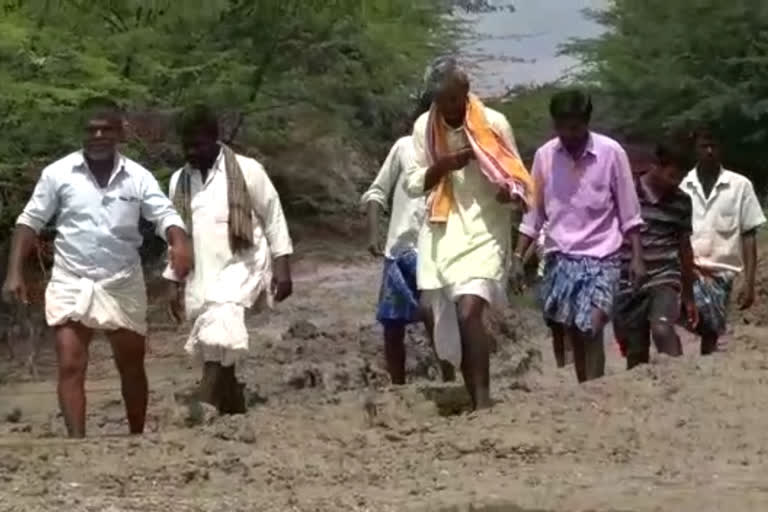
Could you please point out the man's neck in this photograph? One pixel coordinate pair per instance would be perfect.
(708, 176)
(101, 169)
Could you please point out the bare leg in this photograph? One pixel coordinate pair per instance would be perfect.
(666, 339)
(558, 344)
(72, 341)
(230, 392)
(394, 350)
(709, 344)
(475, 350)
(595, 346)
(638, 342)
(129, 349)
(447, 371)
(209, 383)
(577, 341)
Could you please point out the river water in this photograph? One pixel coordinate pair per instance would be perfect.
(520, 47)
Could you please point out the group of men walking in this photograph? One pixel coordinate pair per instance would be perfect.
(648, 251)
(614, 246)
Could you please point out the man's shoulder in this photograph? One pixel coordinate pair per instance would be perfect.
(548, 146)
(64, 164)
(736, 178)
(494, 116)
(134, 168)
(607, 143)
(248, 164)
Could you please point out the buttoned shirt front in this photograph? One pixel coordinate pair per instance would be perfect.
(97, 229)
(720, 220)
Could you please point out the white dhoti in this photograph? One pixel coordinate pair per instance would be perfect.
(117, 302)
(219, 333)
(442, 303)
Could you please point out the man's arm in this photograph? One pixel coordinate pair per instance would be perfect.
(157, 208)
(421, 176)
(534, 218)
(751, 218)
(687, 266)
(379, 195)
(36, 214)
(266, 203)
(749, 250)
(628, 206)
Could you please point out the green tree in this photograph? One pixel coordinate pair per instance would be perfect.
(662, 65)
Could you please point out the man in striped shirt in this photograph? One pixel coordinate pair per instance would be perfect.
(650, 309)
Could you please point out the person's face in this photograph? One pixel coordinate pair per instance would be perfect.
(451, 102)
(200, 149)
(666, 177)
(102, 135)
(573, 133)
(708, 152)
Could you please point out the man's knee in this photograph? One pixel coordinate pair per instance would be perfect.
(470, 309)
(663, 333)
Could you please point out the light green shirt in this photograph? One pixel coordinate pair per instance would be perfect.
(474, 242)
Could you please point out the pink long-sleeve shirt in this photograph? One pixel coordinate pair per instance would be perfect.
(590, 203)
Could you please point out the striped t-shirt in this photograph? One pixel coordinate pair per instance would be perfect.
(666, 221)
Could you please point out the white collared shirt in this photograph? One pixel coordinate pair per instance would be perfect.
(406, 212)
(719, 220)
(97, 229)
(210, 234)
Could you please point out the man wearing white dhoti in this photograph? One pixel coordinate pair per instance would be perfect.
(97, 197)
(241, 252)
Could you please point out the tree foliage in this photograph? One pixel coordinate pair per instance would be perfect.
(282, 72)
(664, 65)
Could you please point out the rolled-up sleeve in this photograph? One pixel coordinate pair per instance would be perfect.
(381, 189)
(416, 170)
(536, 216)
(625, 193)
(168, 272)
(157, 208)
(751, 215)
(43, 204)
(266, 203)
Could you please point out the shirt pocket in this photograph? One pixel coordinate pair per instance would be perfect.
(592, 196)
(726, 221)
(123, 212)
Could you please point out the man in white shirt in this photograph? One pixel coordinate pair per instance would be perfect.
(726, 216)
(96, 196)
(241, 252)
(463, 244)
(399, 296)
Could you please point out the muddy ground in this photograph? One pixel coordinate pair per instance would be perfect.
(325, 432)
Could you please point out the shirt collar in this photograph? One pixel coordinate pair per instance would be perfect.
(692, 180)
(81, 164)
(589, 149)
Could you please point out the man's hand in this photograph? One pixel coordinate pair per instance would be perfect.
(375, 248)
(691, 312)
(746, 297)
(374, 240)
(282, 284)
(457, 160)
(15, 289)
(516, 277)
(180, 254)
(637, 271)
(176, 302)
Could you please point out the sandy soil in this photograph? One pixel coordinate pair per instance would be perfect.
(325, 432)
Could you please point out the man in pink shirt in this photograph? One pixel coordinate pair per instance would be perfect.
(587, 196)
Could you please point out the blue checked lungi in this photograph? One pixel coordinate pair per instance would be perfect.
(712, 294)
(399, 295)
(572, 286)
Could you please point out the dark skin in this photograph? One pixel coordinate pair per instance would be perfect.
(661, 181)
(219, 385)
(102, 134)
(588, 348)
(708, 169)
(451, 103)
(394, 334)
